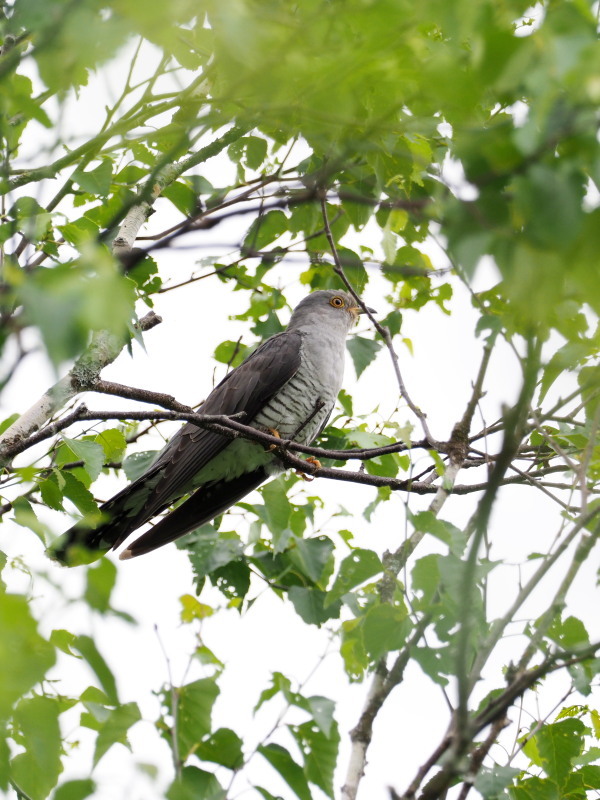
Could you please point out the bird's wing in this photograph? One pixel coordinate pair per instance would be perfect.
(247, 388)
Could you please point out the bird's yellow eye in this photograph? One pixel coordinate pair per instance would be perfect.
(337, 302)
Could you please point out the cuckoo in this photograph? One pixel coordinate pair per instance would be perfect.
(288, 386)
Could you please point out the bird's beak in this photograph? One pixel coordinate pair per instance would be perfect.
(356, 310)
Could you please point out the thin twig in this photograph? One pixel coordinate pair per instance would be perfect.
(381, 330)
(177, 764)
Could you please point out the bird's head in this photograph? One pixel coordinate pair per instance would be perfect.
(333, 307)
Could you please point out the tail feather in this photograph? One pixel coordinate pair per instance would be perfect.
(205, 504)
(88, 540)
(130, 509)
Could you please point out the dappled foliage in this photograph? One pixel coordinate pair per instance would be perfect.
(383, 146)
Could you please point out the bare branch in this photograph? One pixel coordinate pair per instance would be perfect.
(514, 431)
(519, 682)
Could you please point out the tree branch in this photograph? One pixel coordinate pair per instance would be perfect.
(159, 179)
(514, 431)
(495, 710)
(457, 448)
(103, 350)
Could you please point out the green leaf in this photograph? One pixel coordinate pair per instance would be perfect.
(312, 556)
(435, 662)
(232, 579)
(358, 212)
(267, 794)
(97, 704)
(557, 745)
(79, 232)
(74, 298)
(6, 423)
(322, 709)
(354, 269)
(264, 230)
(490, 782)
(319, 753)
(569, 633)
(279, 683)
(209, 549)
(386, 466)
(310, 605)
(31, 218)
(75, 790)
(426, 576)
(566, 358)
(195, 784)
(88, 649)
(291, 772)
(534, 789)
(427, 522)
(363, 352)
(4, 763)
(277, 509)
(222, 747)
(183, 197)
(78, 494)
(91, 453)
(550, 201)
(137, 463)
(146, 277)
(101, 579)
(355, 569)
(114, 730)
(305, 217)
(252, 148)
(36, 770)
(346, 402)
(96, 181)
(25, 515)
(194, 707)
(590, 776)
(256, 151)
(51, 492)
(64, 640)
(384, 629)
(232, 353)
(113, 443)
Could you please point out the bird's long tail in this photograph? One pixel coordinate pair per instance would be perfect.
(88, 540)
(85, 542)
(205, 504)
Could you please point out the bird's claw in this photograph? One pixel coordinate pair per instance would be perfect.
(277, 435)
(303, 475)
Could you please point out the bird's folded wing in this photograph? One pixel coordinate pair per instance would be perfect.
(247, 388)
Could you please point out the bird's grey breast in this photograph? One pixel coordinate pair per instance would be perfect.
(302, 406)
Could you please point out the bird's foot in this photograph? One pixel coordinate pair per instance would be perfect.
(304, 475)
(276, 434)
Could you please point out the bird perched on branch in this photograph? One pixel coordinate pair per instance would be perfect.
(288, 385)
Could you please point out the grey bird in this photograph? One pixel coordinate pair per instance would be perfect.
(288, 385)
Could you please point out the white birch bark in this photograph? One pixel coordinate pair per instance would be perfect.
(103, 350)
